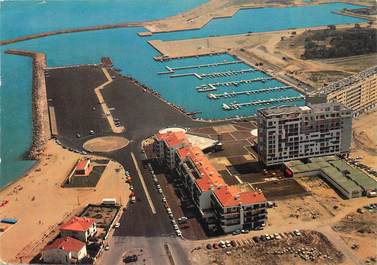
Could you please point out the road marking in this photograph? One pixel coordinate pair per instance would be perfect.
(54, 127)
(143, 183)
(104, 106)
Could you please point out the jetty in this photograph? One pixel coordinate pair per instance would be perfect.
(235, 106)
(73, 30)
(40, 114)
(174, 69)
(227, 73)
(213, 86)
(247, 92)
(209, 75)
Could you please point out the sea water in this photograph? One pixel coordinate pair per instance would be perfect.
(19, 18)
(134, 56)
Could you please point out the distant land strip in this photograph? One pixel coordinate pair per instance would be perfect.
(64, 31)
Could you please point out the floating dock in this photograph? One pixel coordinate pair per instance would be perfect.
(247, 92)
(235, 106)
(212, 87)
(227, 73)
(173, 69)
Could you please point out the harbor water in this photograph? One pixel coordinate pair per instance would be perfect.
(134, 56)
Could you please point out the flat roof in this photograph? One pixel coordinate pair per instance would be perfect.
(320, 107)
(348, 81)
(346, 176)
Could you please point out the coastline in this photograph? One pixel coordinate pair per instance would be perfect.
(193, 19)
(40, 116)
(65, 31)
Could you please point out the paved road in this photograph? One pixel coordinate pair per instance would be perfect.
(73, 96)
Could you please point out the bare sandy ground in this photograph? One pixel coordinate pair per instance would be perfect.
(364, 142)
(203, 14)
(39, 203)
(105, 144)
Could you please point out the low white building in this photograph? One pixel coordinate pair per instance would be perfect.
(64, 250)
(80, 228)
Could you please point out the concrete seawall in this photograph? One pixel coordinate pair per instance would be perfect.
(65, 31)
(40, 116)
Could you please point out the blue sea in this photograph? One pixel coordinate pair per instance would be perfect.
(132, 54)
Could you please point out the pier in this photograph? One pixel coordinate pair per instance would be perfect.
(187, 74)
(212, 87)
(247, 92)
(235, 106)
(174, 69)
(73, 30)
(210, 75)
(40, 114)
(227, 73)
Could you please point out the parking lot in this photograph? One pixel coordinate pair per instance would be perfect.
(281, 189)
(77, 110)
(176, 203)
(294, 247)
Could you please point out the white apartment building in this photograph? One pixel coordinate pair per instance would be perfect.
(289, 133)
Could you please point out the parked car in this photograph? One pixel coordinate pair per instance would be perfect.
(129, 259)
(297, 232)
(227, 243)
(182, 220)
(209, 246)
(117, 225)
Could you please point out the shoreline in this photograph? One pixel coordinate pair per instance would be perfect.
(153, 25)
(66, 31)
(41, 131)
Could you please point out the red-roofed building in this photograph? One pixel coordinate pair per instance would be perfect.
(239, 207)
(166, 145)
(207, 189)
(83, 167)
(64, 250)
(80, 228)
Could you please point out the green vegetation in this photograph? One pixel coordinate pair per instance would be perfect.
(332, 43)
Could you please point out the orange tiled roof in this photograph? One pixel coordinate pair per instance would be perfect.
(67, 244)
(81, 165)
(78, 224)
(209, 176)
(232, 196)
(173, 139)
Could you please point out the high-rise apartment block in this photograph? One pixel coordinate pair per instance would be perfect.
(288, 133)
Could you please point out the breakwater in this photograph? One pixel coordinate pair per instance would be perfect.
(41, 124)
(64, 31)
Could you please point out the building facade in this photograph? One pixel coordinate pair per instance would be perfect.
(289, 133)
(80, 228)
(220, 206)
(357, 92)
(64, 250)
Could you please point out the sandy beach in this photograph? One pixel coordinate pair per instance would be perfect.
(364, 142)
(40, 204)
